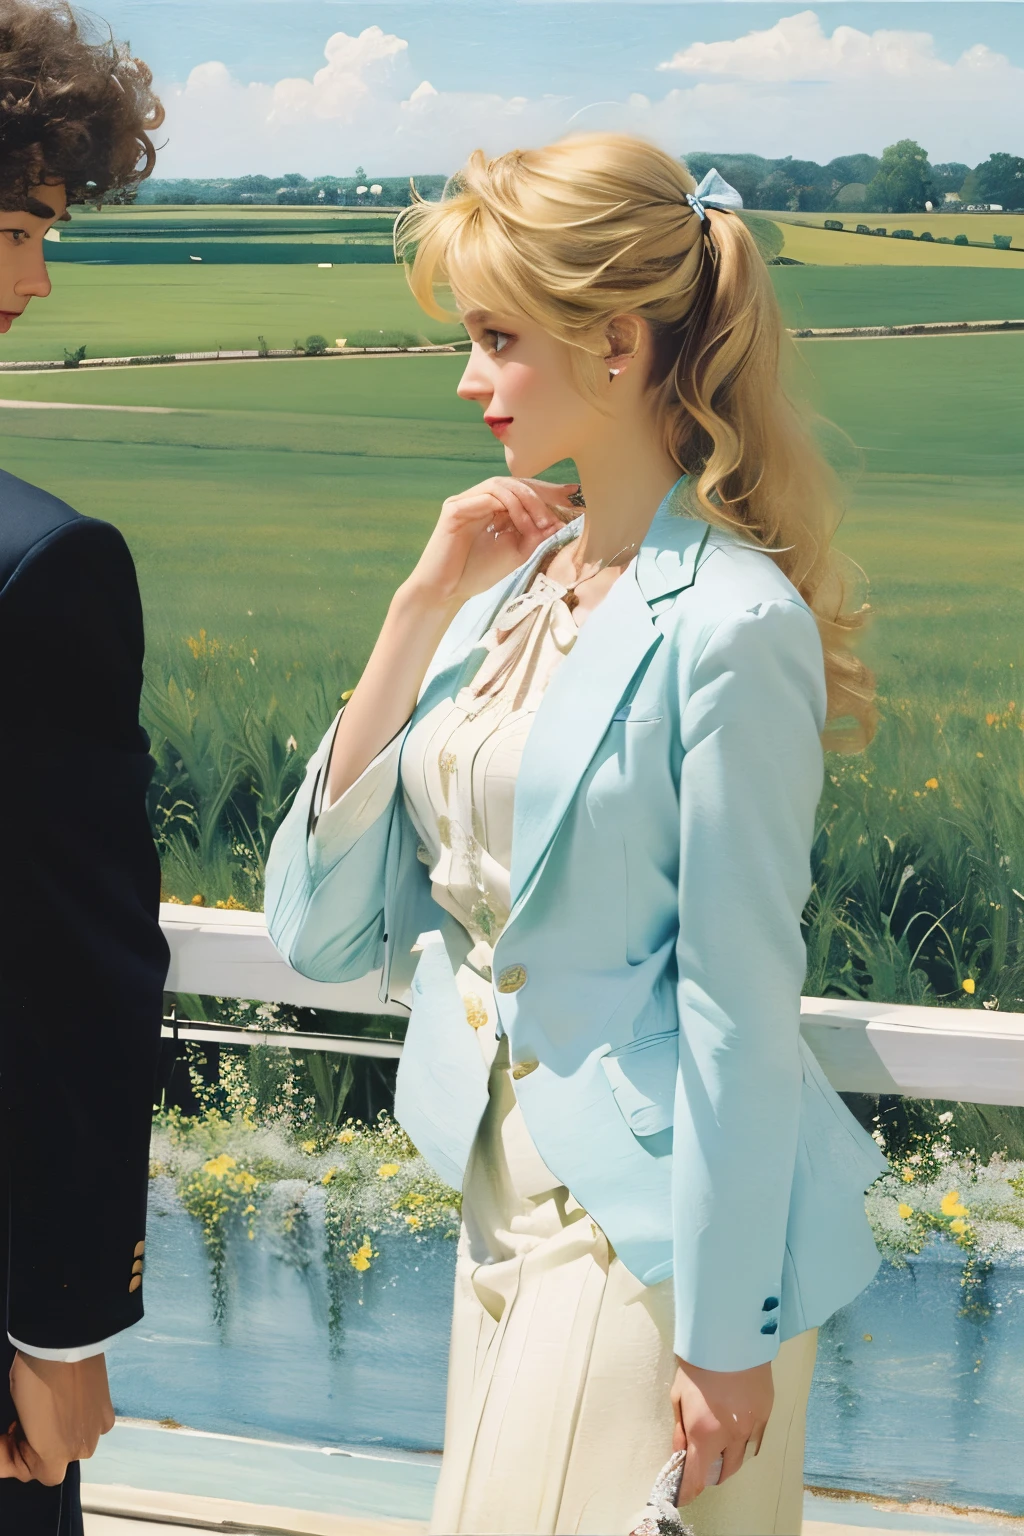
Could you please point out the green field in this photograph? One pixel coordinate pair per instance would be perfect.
(830, 247)
(309, 486)
(118, 311)
(978, 227)
(121, 311)
(273, 507)
(824, 296)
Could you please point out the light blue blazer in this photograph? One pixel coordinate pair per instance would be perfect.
(649, 974)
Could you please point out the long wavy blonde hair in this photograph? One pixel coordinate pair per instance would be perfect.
(597, 226)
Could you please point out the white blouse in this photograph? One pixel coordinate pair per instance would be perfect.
(461, 760)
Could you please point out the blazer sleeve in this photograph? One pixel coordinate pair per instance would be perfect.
(82, 958)
(325, 874)
(324, 890)
(751, 778)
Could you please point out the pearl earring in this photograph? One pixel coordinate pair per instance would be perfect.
(614, 372)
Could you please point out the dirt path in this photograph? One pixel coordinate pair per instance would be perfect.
(63, 405)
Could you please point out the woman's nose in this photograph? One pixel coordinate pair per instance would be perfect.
(473, 385)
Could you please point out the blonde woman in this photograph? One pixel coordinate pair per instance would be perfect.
(571, 804)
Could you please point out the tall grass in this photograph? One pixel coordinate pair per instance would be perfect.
(918, 861)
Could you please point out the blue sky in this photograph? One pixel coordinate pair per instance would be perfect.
(414, 86)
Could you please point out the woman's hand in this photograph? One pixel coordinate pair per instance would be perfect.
(717, 1414)
(483, 534)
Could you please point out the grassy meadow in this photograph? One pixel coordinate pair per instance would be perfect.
(272, 508)
(978, 227)
(130, 310)
(126, 310)
(830, 247)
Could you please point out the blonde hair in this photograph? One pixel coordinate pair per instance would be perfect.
(597, 226)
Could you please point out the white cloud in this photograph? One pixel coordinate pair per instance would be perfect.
(792, 88)
(336, 92)
(797, 48)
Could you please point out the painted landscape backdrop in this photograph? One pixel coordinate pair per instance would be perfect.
(274, 501)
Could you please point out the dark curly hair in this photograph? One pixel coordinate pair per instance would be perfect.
(76, 108)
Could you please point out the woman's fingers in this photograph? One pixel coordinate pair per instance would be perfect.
(732, 1459)
(527, 511)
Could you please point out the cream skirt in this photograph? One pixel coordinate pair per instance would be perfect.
(558, 1415)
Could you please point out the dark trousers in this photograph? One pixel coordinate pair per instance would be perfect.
(29, 1509)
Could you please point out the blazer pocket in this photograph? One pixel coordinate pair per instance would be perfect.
(637, 715)
(642, 1077)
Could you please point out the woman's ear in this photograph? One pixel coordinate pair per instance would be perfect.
(623, 339)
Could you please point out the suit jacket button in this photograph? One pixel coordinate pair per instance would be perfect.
(769, 1304)
(137, 1267)
(524, 1068)
(771, 1327)
(136, 1281)
(512, 978)
(140, 1249)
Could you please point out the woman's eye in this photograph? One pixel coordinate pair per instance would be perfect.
(501, 340)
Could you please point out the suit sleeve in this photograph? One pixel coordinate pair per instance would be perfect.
(82, 958)
(750, 783)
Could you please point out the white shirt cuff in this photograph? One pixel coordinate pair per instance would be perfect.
(68, 1356)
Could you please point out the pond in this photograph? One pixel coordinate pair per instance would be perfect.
(911, 1399)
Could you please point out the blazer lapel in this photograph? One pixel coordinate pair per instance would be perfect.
(588, 687)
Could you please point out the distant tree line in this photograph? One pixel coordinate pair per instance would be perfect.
(358, 191)
(901, 180)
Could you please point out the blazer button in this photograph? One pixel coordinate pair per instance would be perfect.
(524, 1068)
(771, 1327)
(512, 978)
(137, 1267)
(140, 1249)
(135, 1282)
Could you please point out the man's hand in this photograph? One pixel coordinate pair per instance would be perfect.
(62, 1411)
(718, 1414)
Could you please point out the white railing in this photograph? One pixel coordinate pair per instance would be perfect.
(932, 1053)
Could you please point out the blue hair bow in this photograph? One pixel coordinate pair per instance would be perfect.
(713, 192)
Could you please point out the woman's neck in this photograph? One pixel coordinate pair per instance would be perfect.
(622, 491)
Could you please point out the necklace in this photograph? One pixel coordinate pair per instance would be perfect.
(570, 599)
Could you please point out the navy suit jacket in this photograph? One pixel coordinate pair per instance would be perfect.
(82, 958)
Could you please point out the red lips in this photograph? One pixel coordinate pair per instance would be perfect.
(498, 424)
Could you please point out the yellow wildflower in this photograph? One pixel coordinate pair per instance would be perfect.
(309, 1146)
(347, 695)
(990, 718)
(969, 986)
(346, 1135)
(219, 1166)
(908, 1175)
(416, 1198)
(951, 1204)
(328, 1176)
(198, 901)
(363, 1257)
(388, 1170)
(414, 1222)
(959, 1226)
(931, 783)
(906, 1211)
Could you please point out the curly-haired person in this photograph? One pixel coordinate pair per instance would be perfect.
(82, 958)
